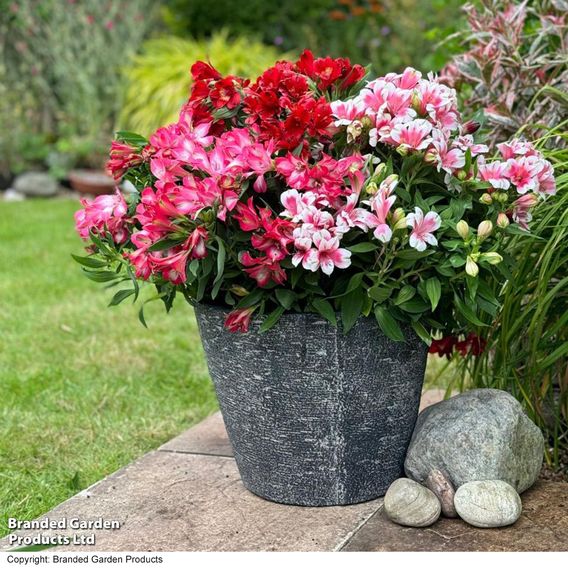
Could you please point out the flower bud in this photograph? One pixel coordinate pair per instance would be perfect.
(430, 157)
(239, 291)
(379, 171)
(371, 188)
(461, 175)
(471, 267)
(484, 230)
(366, 122)
(502, 221)
(399, 218)
(463, 229)
(471, 126)
(491, 257)
(501, 196)
(486, 199)
(403, 150)
(416, 101)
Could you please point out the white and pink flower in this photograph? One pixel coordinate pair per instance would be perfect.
(423, 227)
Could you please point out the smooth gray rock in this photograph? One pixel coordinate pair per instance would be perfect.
(488, 504)
(410, 504)
(315, 416)
(482, 434)
(38, 184)
(13, 195)
(439, 483)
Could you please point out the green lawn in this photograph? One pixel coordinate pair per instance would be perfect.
(84, 389)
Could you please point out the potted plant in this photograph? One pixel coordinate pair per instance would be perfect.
(325, 228)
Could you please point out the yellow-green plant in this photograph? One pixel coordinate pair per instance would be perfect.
(159, 78)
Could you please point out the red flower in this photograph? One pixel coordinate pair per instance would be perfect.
(224, 94)
(204, 71)
(239, 320)
(443, 347)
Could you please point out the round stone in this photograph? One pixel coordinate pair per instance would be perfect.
(410, 504)
(488, 504)
(440, 484)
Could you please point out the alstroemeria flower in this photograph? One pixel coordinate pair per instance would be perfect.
(239, 320)
(412, 135)
(495, 173)
(423, 227)
(326, 255)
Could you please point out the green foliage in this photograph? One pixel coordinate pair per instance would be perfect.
(527, 352)
(389, 34)
(159, 78)
(85, 390)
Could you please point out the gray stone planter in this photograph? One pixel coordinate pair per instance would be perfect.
(315, 417)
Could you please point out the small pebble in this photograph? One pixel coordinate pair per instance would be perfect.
(410, 504)
(488, 504)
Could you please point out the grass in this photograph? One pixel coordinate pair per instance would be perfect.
(84, 389)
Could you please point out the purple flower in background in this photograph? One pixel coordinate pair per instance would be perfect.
(278, 40)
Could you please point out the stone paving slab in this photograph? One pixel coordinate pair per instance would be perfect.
(543, 526)
(187, 495)
(208, 437)
(172, 501)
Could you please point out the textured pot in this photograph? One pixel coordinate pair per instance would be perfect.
(315, 417)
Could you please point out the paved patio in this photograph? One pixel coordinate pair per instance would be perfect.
(187, 495)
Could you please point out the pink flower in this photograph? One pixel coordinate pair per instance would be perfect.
(295, 203)
(197, 243)
(412, 135)
(295, 170)
(522, 209)
(172, 267)
(495, 173)
(423, 227)
(345, 112)
(515, 148)
(122, 157)
(239, 320)
(104, 213)
(546, 181)
(466, 142)
(263, 269)
(247, 216)
(523, 173)
(327, 255)
(445, 158)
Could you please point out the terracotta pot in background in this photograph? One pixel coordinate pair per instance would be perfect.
(91, 182)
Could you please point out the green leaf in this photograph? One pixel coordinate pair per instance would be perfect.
(285, 297)
(434, 291)
(271, 320)
(141, 317)
(414, 306)
(325, 309)
(421, 332)
(406, 293)
(457, 261)
(467, 312)
(362, 247)
(89, 261)
(220, 261)
(379, 293)
(351, 308)
(131, 138)
(165, 244)
(102, 275)
(120, 296)
(388, 324)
